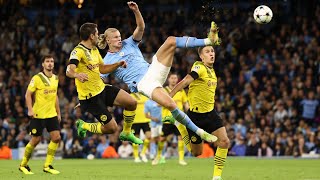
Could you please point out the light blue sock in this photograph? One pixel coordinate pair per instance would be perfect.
(185, 42)
(153, 149)
(182, 118)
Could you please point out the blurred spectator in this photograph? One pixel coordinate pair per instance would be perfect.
(110, 152)
(265, 150)
(5, 151)
(102, 145)
(125, 150)
(207, 151)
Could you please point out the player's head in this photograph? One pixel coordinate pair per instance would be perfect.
(47, 62)
(172, 79)
(207, 55)
(89, 32)
(111, 37)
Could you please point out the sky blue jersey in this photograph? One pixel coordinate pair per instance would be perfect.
(154, 110)
(136, 65)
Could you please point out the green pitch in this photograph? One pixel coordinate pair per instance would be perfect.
(197, 169)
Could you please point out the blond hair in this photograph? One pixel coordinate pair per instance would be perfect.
(102, 40)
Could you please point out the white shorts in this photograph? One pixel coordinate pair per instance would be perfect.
(155, 77)
(156, 131)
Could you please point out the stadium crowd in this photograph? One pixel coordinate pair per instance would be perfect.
(268, 90)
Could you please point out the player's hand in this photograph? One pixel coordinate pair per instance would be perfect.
(82, 77)
(59, 117)
(123, 64)
(30, 113)
(133, 6)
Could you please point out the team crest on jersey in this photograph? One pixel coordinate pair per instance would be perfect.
(193, 138)
(34, 131)
(32, 82)
(121, 53)
(196, 68)
(74, 55)
(103, 117)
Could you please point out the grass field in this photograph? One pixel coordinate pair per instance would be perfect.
(197, 169)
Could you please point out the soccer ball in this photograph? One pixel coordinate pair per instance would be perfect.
(262, 14)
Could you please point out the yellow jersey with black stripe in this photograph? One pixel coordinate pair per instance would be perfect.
(140, 116)
(45, 91)
(89, 61)
(202, 90)
(180, 98)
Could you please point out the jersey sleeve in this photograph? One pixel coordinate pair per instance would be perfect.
(100, 59)
(131, 41)
(197, 70)
(75, 56)
(33, 84)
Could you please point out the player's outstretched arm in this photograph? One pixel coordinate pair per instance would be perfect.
(71, 73)
(181, 85)
(109, 68)
(58, 109)
(138, 32)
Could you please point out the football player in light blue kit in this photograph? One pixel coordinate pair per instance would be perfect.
(153, 111)
(146, 78)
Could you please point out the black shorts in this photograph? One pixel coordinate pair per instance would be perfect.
(37, 125)
(97, 105)
(137, 127)
(209, 122)
(168, 129)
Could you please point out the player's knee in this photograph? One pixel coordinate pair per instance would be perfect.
(132, 105)
(224, 143)
(196, 152)
(35, 140)
(171, 41)
(171, 105)
(56, 138)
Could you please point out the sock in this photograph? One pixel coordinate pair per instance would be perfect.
(182, 118)
(160, 147)
(128, 117)
(27, 154)
(146, 143)
(184, 134)
(93, 127)
(153, 150)
(52, 148)
(185, 42)
(181, 150)
(220, 159)
(135, 150)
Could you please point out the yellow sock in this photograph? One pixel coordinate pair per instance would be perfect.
(146, 143)
(181, 150)
(220, 159)
(135, 150)
(93, 127)
(128, 117)
(184, 134)
(27, 154)
(160, 147)
(52, 147)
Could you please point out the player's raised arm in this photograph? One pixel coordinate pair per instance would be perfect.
(109, 68)
(181, 85)
(138, 32)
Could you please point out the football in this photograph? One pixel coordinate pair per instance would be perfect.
(262, 14)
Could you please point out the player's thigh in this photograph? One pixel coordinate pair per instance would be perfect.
(97, 107)
(223, 140)
(109, 95)
(52, 124)
(36, 126)
(136, 129)
(166, 50)
(147, 130)
(160, 96)
(124, 99)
